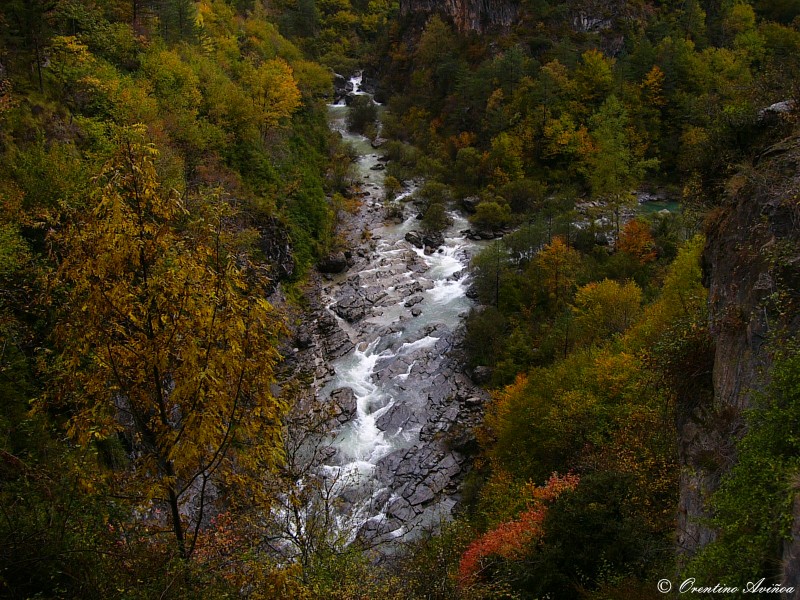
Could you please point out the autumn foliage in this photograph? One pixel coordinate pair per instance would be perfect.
(163, 331)
(510, 539)
(637, 241)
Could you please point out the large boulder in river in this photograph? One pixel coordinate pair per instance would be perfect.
(334, 263)
(433, 239)
(345, 404)
(339, 87)
(415, 239)
(339, 82)
(470, 203)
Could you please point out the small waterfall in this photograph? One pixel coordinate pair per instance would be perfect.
(356, 81)
(353, 87)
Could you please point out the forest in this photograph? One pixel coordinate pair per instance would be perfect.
(170, 187)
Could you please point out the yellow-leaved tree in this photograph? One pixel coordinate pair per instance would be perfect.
(606, 308)
(273, 92)
(164, 339)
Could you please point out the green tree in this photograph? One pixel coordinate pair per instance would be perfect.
(436, 217)
(594, 77)
(615, 165)
(505, 159)
(524, 195)
(436, 62)
(432, 192)
(468, 173)
(177, 19)
(28, 29)
(491, 216)
(362, 115)
(163, 338)
(491, 268)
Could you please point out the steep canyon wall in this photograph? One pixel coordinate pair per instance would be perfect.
(752, 270)
(467, 15)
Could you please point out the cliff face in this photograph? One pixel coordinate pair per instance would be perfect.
(607, 18)
(752, 269)
(468, 15)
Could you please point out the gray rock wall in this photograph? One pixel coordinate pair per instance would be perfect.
(752, 257)
(468, 15)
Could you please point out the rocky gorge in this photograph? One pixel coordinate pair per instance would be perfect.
(381, 355)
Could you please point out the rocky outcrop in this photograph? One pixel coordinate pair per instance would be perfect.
(274, 243)
(772, 114)
(751, 262)
(467, 15)
(604, 18)
(317, 339)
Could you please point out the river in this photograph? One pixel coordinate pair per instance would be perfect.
(397, 461)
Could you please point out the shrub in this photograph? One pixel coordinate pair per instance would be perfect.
(491, 215)
(362, 115)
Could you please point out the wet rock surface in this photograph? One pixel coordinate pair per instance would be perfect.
(344, 404)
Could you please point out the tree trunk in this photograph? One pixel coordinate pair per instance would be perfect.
(177, 525)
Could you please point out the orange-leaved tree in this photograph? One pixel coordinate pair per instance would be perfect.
(556, 269)
(511, 539)
(636, 241)
(164, 340)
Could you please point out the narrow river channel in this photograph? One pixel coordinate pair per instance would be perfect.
(402, 307)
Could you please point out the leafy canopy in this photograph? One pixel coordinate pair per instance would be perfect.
(161, 338)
